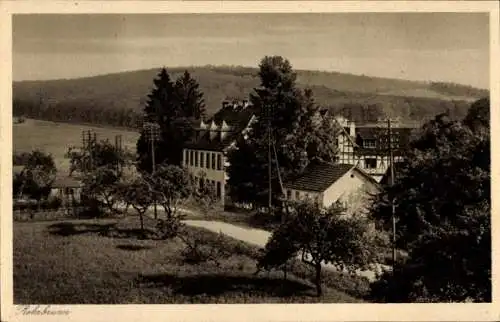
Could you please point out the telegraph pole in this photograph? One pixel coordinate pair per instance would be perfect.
(393, 206)
(269, 159)
(152, 131)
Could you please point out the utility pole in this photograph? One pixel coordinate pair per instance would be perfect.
(393, 206)
(269, 160)
(152, 131)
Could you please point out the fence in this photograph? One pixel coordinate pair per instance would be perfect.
(47, 214)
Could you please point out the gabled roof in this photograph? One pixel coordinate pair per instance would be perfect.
(318, 176)
(64, 181)
(230, 120)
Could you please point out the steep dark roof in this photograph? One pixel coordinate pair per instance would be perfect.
(236, 118)
(318, 176)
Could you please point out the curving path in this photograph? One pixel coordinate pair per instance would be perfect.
(259, 237)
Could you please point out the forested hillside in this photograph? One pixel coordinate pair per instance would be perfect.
(118, 99)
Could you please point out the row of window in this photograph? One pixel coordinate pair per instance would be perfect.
(372, 143)
(305, 195)
(206, 160)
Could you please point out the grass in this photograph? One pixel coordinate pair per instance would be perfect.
(55, 138)
(106, 262)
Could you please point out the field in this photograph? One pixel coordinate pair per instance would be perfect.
(80, 262)
(55, 138)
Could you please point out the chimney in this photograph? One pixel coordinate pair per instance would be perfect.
(225, 104)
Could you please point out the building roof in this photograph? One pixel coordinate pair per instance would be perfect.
(235, 116)
(318, 176)
(64, 181)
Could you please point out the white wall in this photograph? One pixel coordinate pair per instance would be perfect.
(302, 195)
(209, 172)
(352, 190)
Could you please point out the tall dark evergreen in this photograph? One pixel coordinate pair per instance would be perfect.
(189, 97)
(160, 108)
(175, 106)
(295, 126)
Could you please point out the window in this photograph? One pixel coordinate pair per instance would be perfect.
(201, 160)
(207, 159)
(219, 162)
(297, 195)
(289, 194)
(395, 141)
(369, 143)
(218, 189)
(186, 158)
(213, 161)
(370, 163)
(196, 159)
(191, 157)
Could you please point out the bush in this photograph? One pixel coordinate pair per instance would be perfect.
(53, 203)
(170, 227)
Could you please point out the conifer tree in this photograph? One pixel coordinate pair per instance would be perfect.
(189, 97)
(292, 116)
(160, 108)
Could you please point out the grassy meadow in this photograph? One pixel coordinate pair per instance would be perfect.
(55, 138)
(104, 262)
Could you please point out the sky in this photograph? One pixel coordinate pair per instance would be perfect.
(417, 46)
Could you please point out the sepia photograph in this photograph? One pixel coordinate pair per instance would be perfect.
(250, 158)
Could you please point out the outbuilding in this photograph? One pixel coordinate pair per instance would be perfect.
(326, 183)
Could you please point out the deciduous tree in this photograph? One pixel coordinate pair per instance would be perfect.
(323, 236)
(443, 215)
(37, 177)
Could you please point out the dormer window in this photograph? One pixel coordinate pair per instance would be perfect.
(369, 143)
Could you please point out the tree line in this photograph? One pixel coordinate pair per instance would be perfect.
(77, 112)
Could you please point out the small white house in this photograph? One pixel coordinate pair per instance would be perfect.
(327, 183)
(67, 188)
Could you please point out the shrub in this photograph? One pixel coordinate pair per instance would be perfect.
(170, 227)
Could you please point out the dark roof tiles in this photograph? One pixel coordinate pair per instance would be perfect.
(236, 118)
(318, 176)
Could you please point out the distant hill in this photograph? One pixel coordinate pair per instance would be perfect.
(128, 91)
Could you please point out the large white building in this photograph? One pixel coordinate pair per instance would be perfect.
(205, 156)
